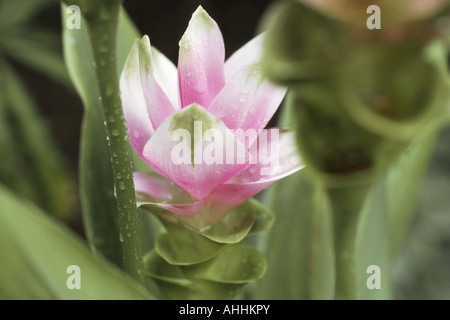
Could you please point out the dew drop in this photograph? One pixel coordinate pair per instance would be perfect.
(122, 186)
(205, 228)
(112, 119)
(120, 237)
(115, 132)
(104, 14)
(118, 175)
(109, 90)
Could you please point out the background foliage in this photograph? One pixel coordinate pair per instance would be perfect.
(40, 127)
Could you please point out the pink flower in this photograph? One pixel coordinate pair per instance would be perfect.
(207, 95)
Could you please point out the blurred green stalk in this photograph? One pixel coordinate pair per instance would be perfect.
(346, 205)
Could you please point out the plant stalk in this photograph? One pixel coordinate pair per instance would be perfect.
(346, 204)
(102, 18)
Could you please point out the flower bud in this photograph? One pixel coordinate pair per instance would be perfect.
(336, 149)
(393, 91)
(301, 43)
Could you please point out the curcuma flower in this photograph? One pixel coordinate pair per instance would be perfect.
(200, 127)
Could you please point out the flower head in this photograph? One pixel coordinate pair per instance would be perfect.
(199, 126)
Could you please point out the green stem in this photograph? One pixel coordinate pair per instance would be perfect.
(102, 18)
(346, 204)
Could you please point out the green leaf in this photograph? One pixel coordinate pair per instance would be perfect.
(298, 247)
(236, 264)
(36, 253)
(247, 218)
(96, 179)
(176, 286)
(181, 246)
(232, 228)
(264, 217)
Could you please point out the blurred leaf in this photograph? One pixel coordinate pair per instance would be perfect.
(42, 163)
(28, 271)
(298, 247)
(31, 52)
(11, 158)
(421, 268)
(126, 34)
(13, 13)
(373, 244)
(403, 183)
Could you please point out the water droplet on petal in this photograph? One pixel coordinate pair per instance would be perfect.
(136, 134)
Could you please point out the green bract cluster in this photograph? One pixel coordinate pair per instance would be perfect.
(358, 99)
(197, 259)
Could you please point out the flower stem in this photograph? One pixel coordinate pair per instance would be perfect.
(346, 204)
(102, 18)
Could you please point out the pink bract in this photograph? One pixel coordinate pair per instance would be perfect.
(227, 97)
